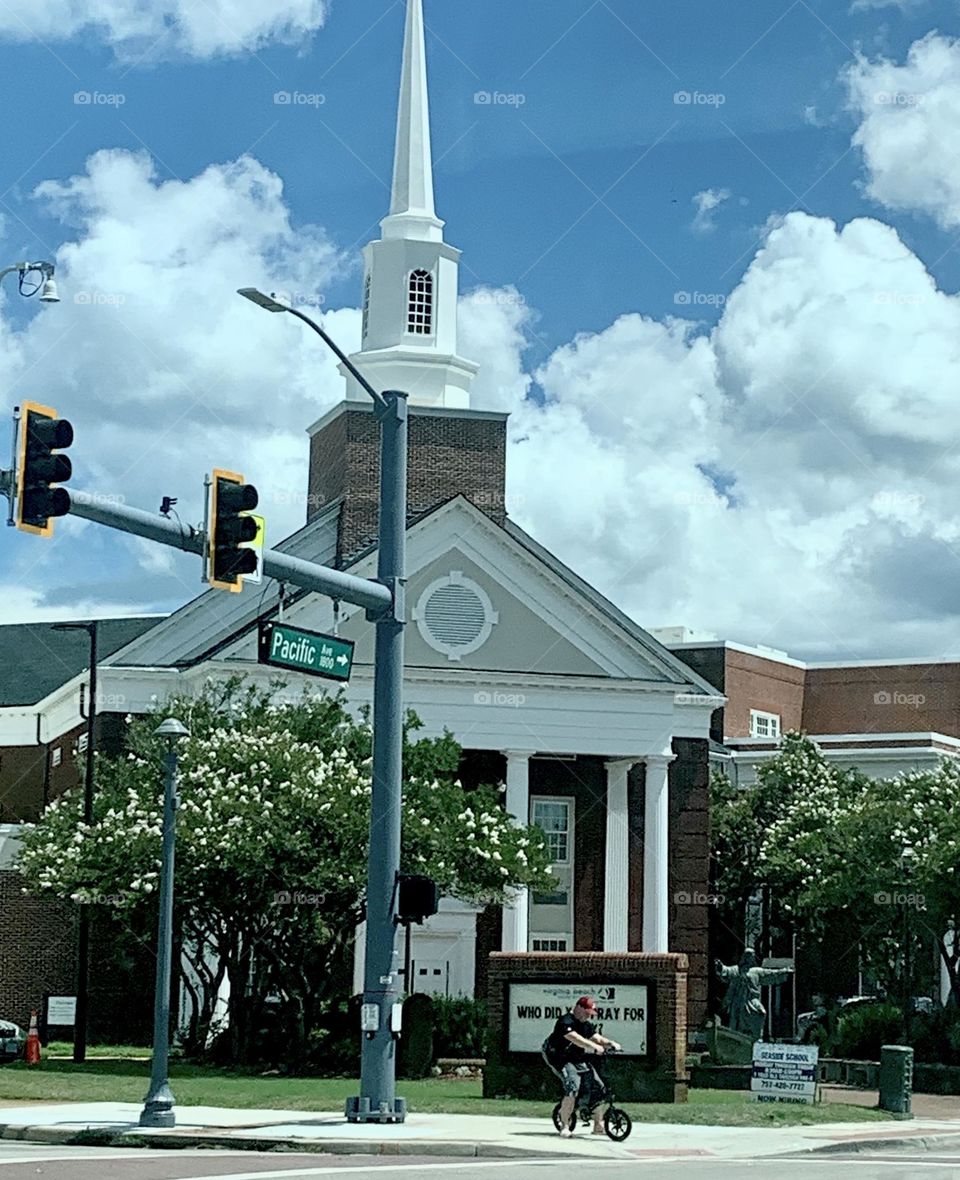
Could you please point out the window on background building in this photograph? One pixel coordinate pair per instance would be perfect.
(56, 757)
(764, 725)
(82, 743)
(366, 305)
(420, 306)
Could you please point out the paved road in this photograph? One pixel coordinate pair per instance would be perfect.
(20, 1161)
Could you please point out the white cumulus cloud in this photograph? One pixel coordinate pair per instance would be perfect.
(909, 130)
(160, 28)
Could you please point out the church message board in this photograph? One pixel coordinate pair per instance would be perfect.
(784, 1073)
(305, 651)
(622, 1013)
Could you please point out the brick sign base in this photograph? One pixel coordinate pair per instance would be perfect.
(660, 1077)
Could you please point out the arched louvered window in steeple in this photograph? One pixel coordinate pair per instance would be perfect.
(420, 304)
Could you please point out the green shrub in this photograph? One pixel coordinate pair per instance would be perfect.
(459, 1027)
(862, 1032)
(935, 1036)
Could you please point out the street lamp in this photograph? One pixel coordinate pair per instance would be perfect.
(377, 1101)
(905, 866)
(48, 285)
(158, 1105)
(81, 1018)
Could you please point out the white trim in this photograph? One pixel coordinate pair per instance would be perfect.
(776, 656)
(912, 735)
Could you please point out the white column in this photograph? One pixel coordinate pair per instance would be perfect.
(616, 892)
(656, 854)
(515, 922)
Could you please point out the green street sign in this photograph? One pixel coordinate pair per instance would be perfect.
(305, 651)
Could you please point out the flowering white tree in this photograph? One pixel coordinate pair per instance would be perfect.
(831, 841)
(272, 837)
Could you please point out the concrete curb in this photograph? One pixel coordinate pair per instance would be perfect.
(105, 1137)
(858, 1146)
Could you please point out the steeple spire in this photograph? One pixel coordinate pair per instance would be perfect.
(413, 163)
(411, 275)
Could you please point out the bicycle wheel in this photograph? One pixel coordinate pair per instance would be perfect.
(617, 1124)
(556, 1119)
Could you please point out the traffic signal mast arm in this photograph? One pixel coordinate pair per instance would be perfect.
(373, 596)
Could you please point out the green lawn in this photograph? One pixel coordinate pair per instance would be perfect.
(125, 1080)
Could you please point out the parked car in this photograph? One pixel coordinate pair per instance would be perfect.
(808, 1021)
(12, 1039)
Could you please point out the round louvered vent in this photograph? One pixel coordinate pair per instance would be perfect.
(455, 616)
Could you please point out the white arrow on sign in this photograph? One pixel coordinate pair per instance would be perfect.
(342, 660)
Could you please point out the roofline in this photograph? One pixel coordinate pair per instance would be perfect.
(366, 407)
(831, 738)
(775, 656)
(94, 619)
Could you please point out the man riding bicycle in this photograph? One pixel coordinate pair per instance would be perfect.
(565, 1052)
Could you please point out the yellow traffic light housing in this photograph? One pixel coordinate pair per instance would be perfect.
(38, 502)
(232, 498)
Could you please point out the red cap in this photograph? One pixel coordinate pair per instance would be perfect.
(586, 1002)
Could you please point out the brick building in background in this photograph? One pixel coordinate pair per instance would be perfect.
(43, 704)
(883, 717)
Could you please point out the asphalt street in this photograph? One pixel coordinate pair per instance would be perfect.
(19, 1161)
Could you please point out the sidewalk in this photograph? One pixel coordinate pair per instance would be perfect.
(115, 1124)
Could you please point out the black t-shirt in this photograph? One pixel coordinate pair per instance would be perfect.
(560, 1048)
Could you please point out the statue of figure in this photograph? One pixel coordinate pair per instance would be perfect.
(742, 1003)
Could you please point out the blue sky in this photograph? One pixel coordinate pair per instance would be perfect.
(579, 188)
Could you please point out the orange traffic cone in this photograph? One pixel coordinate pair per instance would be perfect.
(31, 1051)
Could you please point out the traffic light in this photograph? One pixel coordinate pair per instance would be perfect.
(42, 433)
(230, 529)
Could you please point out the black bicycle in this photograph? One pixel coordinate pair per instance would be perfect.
(616, 1122)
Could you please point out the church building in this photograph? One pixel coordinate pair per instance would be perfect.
(600, 734)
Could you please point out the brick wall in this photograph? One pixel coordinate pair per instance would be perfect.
(660, 1078)
(756, 683)
(690, 867)
(895, 698)
(450, 454)
(37, 950)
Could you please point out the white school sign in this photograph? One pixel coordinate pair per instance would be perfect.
(784, 1073)
(622, 1013)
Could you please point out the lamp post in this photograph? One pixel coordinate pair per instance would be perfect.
(158, 1105)
(377, 1101)
(81, 1017)
(905, 865)
(48, 286)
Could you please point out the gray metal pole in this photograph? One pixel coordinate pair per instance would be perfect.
(82, 1019)
(377, 1101)
(158, 1105)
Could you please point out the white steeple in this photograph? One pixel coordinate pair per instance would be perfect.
(411, 276)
